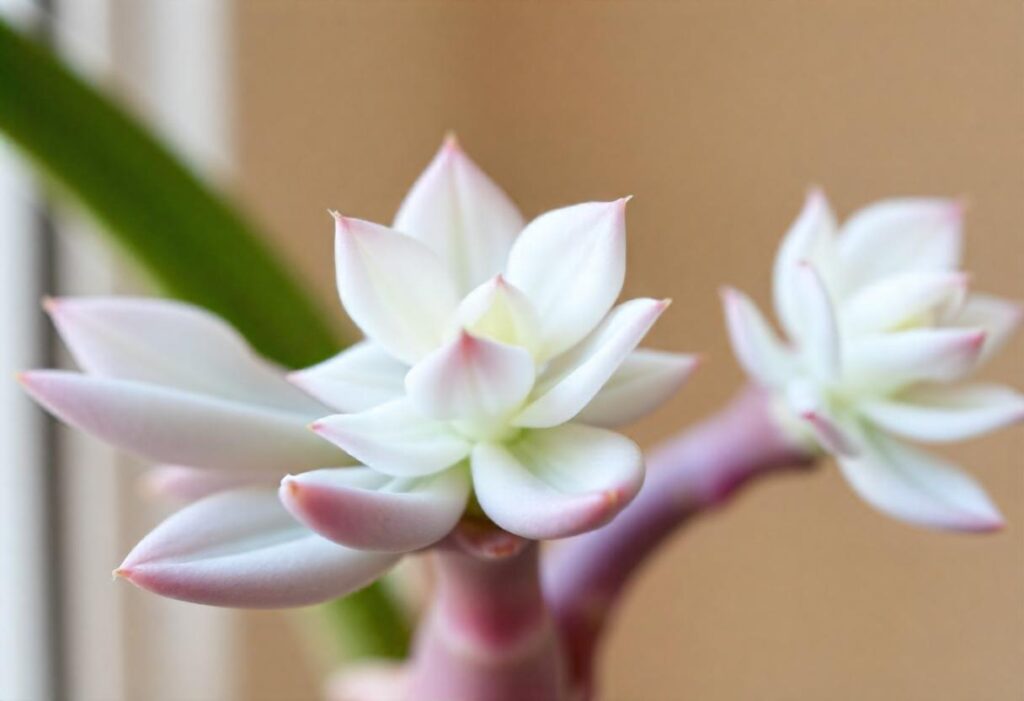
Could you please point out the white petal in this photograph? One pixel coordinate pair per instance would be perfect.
(470, 378)
(573, 379)
(945, 414)
(498, 310)
(571, 263)
(394, 288)
(825, 422)
(645, 380)
(900, 236)
(396, 439)
(171, 344)
(894, 360)
(361, 508)
(818, 333)
(764, 357)
(902, 300)
(359, 378)
(810, 239)
(557, 482)
(999, 318)
(916, 487)
(461, 215)
(186, 484)
(242, 549)
(168, 425)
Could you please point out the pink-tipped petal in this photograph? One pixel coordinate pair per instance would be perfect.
(171, 344)
(396, 439)
(900, 300)
(758, 349)
(811, 238)
(645, 380)
(818, 334)
(363, 509)
(557, 482)
(900, 236)
(172, 426)
(571, 263)
(498, 310)
(186, 484)
(575, 378)
(894, 360)
(461, 215)
(998, 318)
(942, 414)
(807, 402)
(470, 378)
(242, 549)
(919, 488)
(359, 378)
(394, 288)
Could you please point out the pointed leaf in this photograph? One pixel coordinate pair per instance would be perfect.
(358, 378)
(361, 508)
(571, 263)
(557, 482)
(645, 380)
(168, 425)
(461, 215)
(242, 549)
(394, 288)
(396, 439)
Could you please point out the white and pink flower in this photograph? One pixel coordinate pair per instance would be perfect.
(882, 330)
(495, 362)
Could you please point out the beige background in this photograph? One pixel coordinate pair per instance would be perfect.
(717, 116)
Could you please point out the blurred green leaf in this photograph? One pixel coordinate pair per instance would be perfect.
(194, 244)
(190, 239)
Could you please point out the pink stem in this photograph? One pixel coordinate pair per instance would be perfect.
(687, 475)
(488, 635)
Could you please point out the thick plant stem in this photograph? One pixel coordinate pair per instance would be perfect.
(700, 469)
(488, 635)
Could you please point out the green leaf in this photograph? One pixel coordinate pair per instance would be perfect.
(195, 245)
(190, 239)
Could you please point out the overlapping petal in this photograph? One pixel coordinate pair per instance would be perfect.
(818, 336)
(361, 508)
(394, 288)
(170, 344)
(573, 379)
(461, 215)
(242, 549)
(901, 301)
(500, 311)
(890, 361)
(571, 263)
(172, 426)
(998, 318)
(915, 234)
(824, 421)
(358, 378)
(757, 347)
(916, 487)
(471, 378)
(557, 482)
(396, 439)
(941, 413)
(645, 380)
(810, 239)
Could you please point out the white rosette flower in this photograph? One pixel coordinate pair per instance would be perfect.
(493, 366)
(882, 332)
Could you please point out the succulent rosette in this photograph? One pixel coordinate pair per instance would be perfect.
(495, 363)
(882, 335)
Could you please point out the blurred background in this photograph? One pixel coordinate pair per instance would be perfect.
(717, 116)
